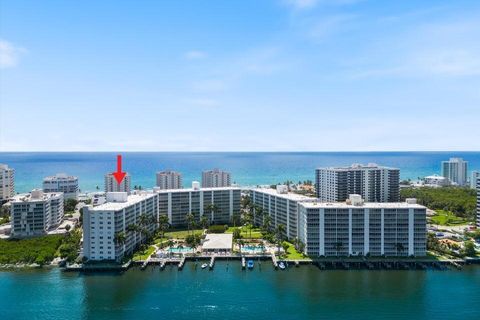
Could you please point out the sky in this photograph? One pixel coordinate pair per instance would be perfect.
(240, 75)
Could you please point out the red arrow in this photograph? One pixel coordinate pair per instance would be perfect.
(119, 175)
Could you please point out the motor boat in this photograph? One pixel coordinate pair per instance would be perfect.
(204, 265)
(250, 264)
(281, 265)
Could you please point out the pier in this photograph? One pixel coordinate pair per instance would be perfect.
(274, 261)
(212, 262)
(244, 264)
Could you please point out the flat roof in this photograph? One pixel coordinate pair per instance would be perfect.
(218, 241)
(358, 166)
(200, 189)
(131, 200)
(27, 197)
(366, 205)
(289, 195)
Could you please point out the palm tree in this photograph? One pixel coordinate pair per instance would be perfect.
(235, 218)
(399, 247)
(266, 222)
(214, 209)
(204, 222)
(190, 219)
(163, 224)
(279, 234)
(120, 238)
(240, 243)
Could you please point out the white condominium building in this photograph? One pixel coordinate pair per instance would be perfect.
(436, 181)
(62, 183)
(219, 205)
(280, 205)
(357, 228)
(35, 213)
(346, 228)
(478, 203)
(455, 170)
(216, 179)
(111, 184)
(473, 179)
(169, 180)
(374, 183)
(112, 230)
(7, 183)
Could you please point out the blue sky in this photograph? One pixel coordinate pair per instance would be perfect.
(270, 75)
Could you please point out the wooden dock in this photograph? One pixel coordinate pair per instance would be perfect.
(212, 262)
(244, 264)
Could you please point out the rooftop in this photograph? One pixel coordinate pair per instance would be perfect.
(358, 166)
(218, 241)
(192, 189)
(59, 176)
(368, 205)
(131, 200)
(35, 195)
(288, 196)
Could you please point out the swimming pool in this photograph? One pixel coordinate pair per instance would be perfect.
(180, 250)
(253, 249)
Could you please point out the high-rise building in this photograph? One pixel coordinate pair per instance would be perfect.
(111, 184)
(455, 170)
(7, 183)
(62, 183)
(478, 203)
(109, 230)
(219, 205)
(36, 213)
(374, 183)
(473, 178)
(215, 179)
(346, 228)
(169, 180)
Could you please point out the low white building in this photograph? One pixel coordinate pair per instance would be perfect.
(36, 213)
(62, 182)
(218, 243)
(113, 229)
(436, 181)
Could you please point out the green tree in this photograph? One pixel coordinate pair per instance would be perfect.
(470, 249)
(279, 235)
(190, 219)
(69, 205)
(163, 224)
(204, 222)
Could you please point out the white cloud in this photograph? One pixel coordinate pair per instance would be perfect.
(195, 54)
(9, 54)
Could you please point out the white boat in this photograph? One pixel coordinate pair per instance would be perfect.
(204, 265)
(281, 265)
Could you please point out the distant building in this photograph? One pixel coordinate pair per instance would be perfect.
(169, 180)
(7, 183)
(111, 184)
(436, 181)
(455, 170)
(36, 213)
(216, 179)
(374, 183)
(104, 225)
(217, 204)
(473, 179)
(62, 183)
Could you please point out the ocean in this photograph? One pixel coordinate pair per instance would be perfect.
(247, 168)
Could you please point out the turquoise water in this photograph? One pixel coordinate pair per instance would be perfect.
(180, 250)
(246, 168)
(253, 249)
(262, 293)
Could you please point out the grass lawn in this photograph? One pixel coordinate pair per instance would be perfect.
(143, 254)
(33, 250)
(292, 253)
(245, 231)
(181, 234)
(447, 218)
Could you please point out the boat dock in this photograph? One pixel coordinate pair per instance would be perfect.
(244, 264)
